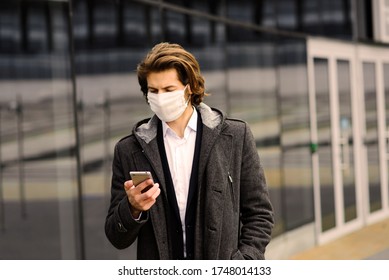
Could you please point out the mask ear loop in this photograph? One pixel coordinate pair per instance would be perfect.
(189, 94)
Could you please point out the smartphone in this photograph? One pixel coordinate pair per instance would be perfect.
(138, 177)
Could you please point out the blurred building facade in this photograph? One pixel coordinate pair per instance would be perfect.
(311, 77)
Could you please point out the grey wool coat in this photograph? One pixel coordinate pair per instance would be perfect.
(234, 216)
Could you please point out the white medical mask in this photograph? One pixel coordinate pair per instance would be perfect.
(168, 106)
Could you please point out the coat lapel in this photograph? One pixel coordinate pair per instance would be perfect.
(150, 151)
(202, 235)
(216, 149)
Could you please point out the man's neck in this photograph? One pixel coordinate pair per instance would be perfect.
(179, 125)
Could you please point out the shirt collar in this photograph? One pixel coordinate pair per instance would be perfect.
(192, 124)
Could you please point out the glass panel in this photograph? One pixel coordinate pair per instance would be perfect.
(137, 24)
(346, 140)
(200, 32)
(327, 197)
(266, 13)
(39, 191)
(331, 18)
(177, 27)
(252, 96)
(109, 105)
(213, 67)
(287, 14)
(243, 10)
(310, 17)
(335, 16)
(37, 35)
(295, 133)
(104, 24)
(81, 30)
(371, 138)
(248, 11)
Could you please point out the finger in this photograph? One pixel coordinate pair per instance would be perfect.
(143, 201)
(156, 193)
(128, 185)
(148, 198)
(137, 198)
(151, 201)
(150, 191)
(145, 185)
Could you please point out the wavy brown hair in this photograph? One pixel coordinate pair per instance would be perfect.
(166, 56)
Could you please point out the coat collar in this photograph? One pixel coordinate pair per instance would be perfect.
(146, 130)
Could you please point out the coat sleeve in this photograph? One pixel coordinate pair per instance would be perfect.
(256, 210)
(121, 228)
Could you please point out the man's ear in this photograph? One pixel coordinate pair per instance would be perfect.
(188, 90)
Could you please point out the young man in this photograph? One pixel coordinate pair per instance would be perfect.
(207, 198)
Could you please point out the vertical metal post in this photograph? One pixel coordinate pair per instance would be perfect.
(77, 135)
(80, 108)
(2, 208)
(107, 137)
(283, 211)
(20, 140)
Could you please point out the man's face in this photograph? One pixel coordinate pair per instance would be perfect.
(164, 81)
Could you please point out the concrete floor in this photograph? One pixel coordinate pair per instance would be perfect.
(370, 242)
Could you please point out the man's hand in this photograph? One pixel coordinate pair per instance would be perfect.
(142, 196)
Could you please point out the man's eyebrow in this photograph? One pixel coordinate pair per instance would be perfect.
(167, 87)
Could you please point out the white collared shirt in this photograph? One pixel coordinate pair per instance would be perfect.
(180, 152)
